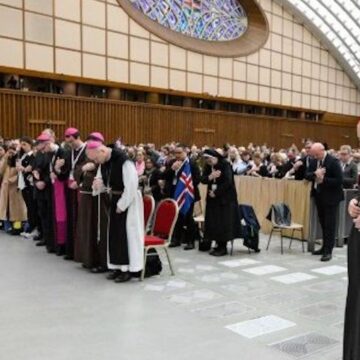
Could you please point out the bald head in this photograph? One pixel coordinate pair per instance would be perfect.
(318, 151)
(98, 155)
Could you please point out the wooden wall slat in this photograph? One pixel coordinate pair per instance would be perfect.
(137, 122)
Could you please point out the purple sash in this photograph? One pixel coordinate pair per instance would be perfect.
(60, 214)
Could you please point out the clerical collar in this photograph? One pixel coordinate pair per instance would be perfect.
(79, 147)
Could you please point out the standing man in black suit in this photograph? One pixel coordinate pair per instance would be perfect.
(327, 177)
(349, 168)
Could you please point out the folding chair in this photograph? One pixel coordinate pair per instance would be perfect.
(278, 227)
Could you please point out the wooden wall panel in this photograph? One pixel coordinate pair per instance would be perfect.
(28, 113)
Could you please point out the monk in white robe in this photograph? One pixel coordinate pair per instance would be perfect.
(126, 219)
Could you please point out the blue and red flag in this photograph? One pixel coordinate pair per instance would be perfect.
(184, 191)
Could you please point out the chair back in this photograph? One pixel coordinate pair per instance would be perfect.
(165, 219)
(149, 208)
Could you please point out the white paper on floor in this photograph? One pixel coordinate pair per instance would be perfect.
(239, 262)
(186, 270)
(293, 278)
(193, 297)
(261, 326)
(266, 269)
(330, 270)
(213, 278)
(223, 310)
(181, 261)
(205, 268)
(167, 285)
(151, 287)
(177, 284)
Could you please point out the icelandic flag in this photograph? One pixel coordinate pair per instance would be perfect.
(184, 191)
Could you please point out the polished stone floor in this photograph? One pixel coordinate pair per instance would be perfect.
(248, 306)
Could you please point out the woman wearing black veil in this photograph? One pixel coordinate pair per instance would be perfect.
(221, 201)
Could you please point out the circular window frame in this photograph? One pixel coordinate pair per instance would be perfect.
(252, 40)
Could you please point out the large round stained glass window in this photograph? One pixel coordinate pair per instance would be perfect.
(213, 27)
(211, 20)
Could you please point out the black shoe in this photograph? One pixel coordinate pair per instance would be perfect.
(318, 252)
(113, 275)
(123, 277)
(50, 250)
(136, 275)
(68, 257)
(189, 246)
(60, 251)
(41, 243)
(219, 252)
(326, 257)
(174, 244)
(98, 270)
(37, 238)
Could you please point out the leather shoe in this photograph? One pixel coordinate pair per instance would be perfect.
(318, 252)
(68, 257)
(37, 238)
(174, 244)
(190, 246)
(136, 275)
(219, 252)
(60, 251)
(123, 277)
(41, 243)
(213, 250)
(326, 257)
(98, 270)
(113, 275)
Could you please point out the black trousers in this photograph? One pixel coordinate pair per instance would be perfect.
(72, 205)
(185, 228)
(31, 206)
(45, 211)
(328, 218)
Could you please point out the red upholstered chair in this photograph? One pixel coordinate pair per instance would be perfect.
(149, 208)
(163, 227)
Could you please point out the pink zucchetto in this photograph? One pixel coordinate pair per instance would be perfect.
(93, 144)
(97, 136)
(71, 131)
(43, 137)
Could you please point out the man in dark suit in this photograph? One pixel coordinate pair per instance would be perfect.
(302, 165)
(349, 168)
(326, 175)
(185, 228)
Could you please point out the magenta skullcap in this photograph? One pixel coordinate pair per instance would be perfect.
(43, 137)
(93, 144)
(71, 131)
(97, 136)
